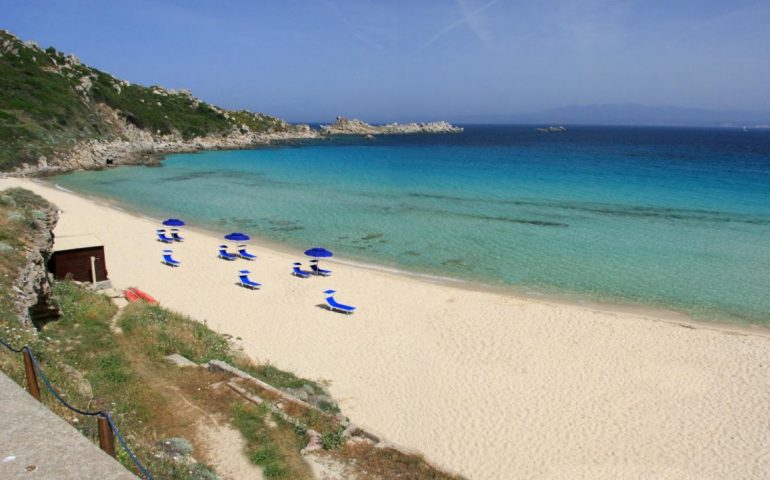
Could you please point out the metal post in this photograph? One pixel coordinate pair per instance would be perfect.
(93, 270)
(106, 437)
(29, 368)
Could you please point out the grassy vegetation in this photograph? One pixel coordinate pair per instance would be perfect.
(49, 102)
(84, 358)
(270, 447)
(39, 108)
(160, 332)
(175, 113)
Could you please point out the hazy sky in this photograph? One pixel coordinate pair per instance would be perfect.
(385, 60)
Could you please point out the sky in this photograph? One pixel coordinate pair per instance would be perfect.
(382, 60)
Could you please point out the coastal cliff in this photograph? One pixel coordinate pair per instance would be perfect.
(344, 126)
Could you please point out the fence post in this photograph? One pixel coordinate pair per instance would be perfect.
(106, 437)
(29, 368)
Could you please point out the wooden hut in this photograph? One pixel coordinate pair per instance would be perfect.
(81, 256)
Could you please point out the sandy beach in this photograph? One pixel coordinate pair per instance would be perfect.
(490, 385)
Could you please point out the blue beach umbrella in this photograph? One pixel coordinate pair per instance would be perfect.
(318, 252)
(237, 237)
(173, 222)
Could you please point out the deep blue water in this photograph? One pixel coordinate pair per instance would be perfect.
(667, 217)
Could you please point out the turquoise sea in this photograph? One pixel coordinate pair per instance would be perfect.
(678, 218)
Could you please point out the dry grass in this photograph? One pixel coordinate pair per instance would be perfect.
(271, 443)
(374, 463)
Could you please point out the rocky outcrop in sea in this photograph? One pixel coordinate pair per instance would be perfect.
(345, 126)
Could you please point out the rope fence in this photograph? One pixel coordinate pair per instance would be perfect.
(108, 430)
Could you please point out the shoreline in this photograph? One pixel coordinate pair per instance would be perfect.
(489, 385)
(659, 313)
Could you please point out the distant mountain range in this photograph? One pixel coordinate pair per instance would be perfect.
(628, 114)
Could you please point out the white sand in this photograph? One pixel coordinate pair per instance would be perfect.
(490, 385)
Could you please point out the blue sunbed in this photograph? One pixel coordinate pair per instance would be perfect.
(335, 306)
(163, 238)
(319, 271)
(245, 282)
(298, 272)
(244, 254)
(168, 260)
(225, 255)
(175, 235)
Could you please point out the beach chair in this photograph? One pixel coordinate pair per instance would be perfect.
(225, 255)
(244, 254)
(162, 236)
(298, 272)
(319, 271)
(243, 280)
(335, 306)
(168, 260)
(175, 235)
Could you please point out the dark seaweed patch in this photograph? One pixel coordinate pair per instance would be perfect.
(291, 228)
(663, 213)
(279, 225)
(190, 176)
(372, 236)
(521, 221)
(452, 262)
(281, 222)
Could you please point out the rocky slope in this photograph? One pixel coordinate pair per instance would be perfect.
(344, 126)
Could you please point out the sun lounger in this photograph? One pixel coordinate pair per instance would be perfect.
(168, 260)
(335, 306)
(298, 272)
(244, 254)
(245, 282)
(175, 235)
(319, 271)
(163, 238)
(225, 255)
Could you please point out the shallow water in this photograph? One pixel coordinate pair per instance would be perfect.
(678, 218)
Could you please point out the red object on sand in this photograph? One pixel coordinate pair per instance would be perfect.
(131, 296)
(139, 295)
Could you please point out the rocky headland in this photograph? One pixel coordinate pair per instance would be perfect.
(345, 126)
(58, 114)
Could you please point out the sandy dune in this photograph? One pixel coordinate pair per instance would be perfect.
(490, 385)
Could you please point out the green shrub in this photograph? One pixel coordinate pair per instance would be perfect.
(166, 332)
